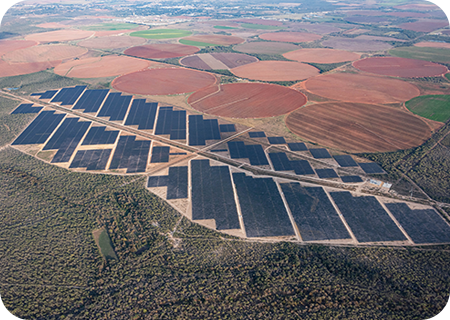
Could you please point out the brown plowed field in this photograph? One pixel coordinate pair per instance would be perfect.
(98, 67)
(44, 53)
(161, 51)
(52, 25)
(106, 33)
(59, 35)
(11, 45)
(424, 25)
(314, 27)
(275, 71)
(392, 14)
(377, 38)
(400, 67)
(367, 19)
(356, 127)
(321, 55)
(216, 39)
(217, 61)
(361, 88)
(350, 44)
(290, 36)
(430, 44)
(163, 81)
(16, 69)
(112, 42)
(266, 47)
(247, 100)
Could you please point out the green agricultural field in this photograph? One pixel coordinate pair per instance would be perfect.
(104, 243)
(447, 75)
(111, 26)
(429, 54)
(258, 26)
(224, 27)
(161, 33)
(434, 107)
(197, 43)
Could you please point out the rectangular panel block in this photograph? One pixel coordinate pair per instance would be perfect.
(297, 146)
(131, 154)
(326, 173)
(256, 155)
(91, 159)
(227, 128)
(68, 96)
(237, 149)
(40, 129)
(302, 167)
(320, 153)
(26, 108)
(256, 134)
(276, 140)
(98, 135)
(91, 100)
(280, 161)
(177, 184)
(371, 168)
(345, 161)
(142, 113)
(45, 95)
(160, 154)
(157, 181)
(350, 179)
(115, 106)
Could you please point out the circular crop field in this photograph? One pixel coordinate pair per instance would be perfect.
(161, 33)
(99, 67)
(433, 44)
(59, 35)
(247, 100)
(211, 39)
(361, 88)
(266, 47)
(400, 67)
(433, 107)
(321, 55)
(290, 36)
(11, 45)
(16, 69)
(217, 61)
(44, 53)
(163, 81)
(358, 45)
(356, 127)
(275, 71)
(161, 51)
(111, 42)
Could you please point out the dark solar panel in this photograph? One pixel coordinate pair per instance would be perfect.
(98, 135)
(315, 216)
(45, 95)
(256, 155)
(276, 140)
(219, 150)
(201, 130)
(280, 161)
(256, 134)
(297, 146)
(371, 167)
(171, 122)
(345, 161)
(91, 159)
(131, 154)
(212, 195)
(68, 96)
(40, 129)
(177, 185)
(26, 108)
(227, 128)
(164, 123)
(302, 167)
(142, 113)
(91, 100)
(326, 173)
(177, 153)
(320, 153)
(350, 179)
(237, 149)
(67, 138)
(115, 106)
(157, 181)
(160, 154)
(262, 208)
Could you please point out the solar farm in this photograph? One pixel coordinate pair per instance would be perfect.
(219, 174)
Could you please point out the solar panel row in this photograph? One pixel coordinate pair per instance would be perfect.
(371, 168)
(326, 173)
(68, 96)
(320, 153)
(297, 146)
(91, 100)
(40, 129)
(91, 159)
(26, 108)
(227, 128)
(160, 154)
(256, 134)
(45, 95)
(263, 215)
(212, 195)
(255, 153)
(176, 182)
(115, 106)
(131, 154)
(98, 135)
(276, 140)
(67, 138)
(142, 113)
(345, 161)
(350, 179)
(281, 162)
(201, 130)
(172, 122)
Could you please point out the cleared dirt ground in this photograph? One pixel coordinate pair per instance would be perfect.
(357, 45)
(112, 42)
(275, 71)
(161, 51)
(216, 39)
(44, 53)
(11, 45)
(321, 55)
(59, 35)
(290, 36)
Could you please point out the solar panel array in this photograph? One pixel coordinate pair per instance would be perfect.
(281, 162)
(276, 140)
(371, 168)
(227, 128)
(160, 154)
(99, 135)
(91, 100)
(142, 114)
(350, 179)
(40, 129)
(255, 152)
(68, 96)
(26, 108)
(171, 122)
(326, 173)
(257, 134)
(320, 153)
(345, 161)
(131, 154)
(176, 182)
(45, 95)
(115, 106)
(201, 130)
(91, 159)
(297, 146)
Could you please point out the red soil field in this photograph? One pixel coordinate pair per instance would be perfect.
(216, 39)
(424, 25)
(44, 53)
(161, 51)
(262, 22)
(16, 69)
(275, 71)
(417, 6)
(378, 38)
(215, 61)
(361, 88)
(247, 100)
(356, 127)
(11, 45)
(111, 42)
(98, 67)
(266, 47)
(106, 33)
(52, 25)
(392, 14)
(314, 27)
(321, 55)
(400, 67)
(350, 44)
(290, 36)
(163, 81)
(195, 62)
(59, 35)
(430, 44)
(366, 19)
